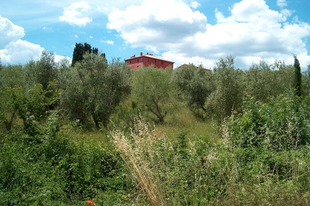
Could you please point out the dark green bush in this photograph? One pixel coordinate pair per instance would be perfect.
(52, 169)
(281, 124)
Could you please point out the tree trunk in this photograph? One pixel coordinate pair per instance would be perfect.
(96, 121)
(8, 124)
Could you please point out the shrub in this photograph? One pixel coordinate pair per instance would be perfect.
(281, 124)
(51, 169)
(192, 173)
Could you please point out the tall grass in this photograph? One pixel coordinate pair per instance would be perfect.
(137, 154)
(190, 172)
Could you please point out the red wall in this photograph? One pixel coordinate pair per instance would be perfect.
(141, 61)
(134, 63)
(157, 63)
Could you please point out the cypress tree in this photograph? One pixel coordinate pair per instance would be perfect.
(297, 80)
(80, 49)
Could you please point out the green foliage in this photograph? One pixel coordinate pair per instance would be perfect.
(31, 105)
(306, 81)
(35, 106)
(297, 77)
(281, 124)
(193, 173)
(153, 89)
(93, 89)
(52, 169)
(11, 100)
(42, 71)
(124, 115)
(195, 84)
(81, 49)
(11, 76)
(261, 158)
(228, 94)
(259, 81)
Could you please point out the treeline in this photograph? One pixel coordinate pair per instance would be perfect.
(91, 90)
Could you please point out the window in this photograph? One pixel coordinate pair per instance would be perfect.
(148, 59)
(155, 61)
(162, 62)
(138, 60)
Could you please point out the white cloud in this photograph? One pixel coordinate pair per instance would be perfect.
(252, 32)
(195, 4)
(281, 3)
(13, 49)
(60, 58)
(151, 23)
(76, 14)
(108, 42)
(9, 32)
(286, 12)
(20, 51)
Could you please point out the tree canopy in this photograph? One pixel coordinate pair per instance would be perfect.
(80, 49)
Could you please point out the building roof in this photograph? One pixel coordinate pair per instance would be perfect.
(149, 56)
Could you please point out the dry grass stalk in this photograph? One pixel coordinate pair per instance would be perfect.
(138, 157)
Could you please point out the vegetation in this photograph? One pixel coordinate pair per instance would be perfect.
(195, 85)
(81, 49)
(98, 133)
(152, 88)
(297, 82)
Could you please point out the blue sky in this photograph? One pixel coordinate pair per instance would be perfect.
(183, 31)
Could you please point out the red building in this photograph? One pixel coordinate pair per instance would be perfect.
(148, 60)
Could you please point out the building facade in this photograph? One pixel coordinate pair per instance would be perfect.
(148, 60)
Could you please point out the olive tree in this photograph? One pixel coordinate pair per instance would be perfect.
(92, 88)
(228, 94)
(264, 81)
(153, 89)
(41, 71)
(11, 91)
(195, 84)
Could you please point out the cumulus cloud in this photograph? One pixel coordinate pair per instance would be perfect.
(62, 59)
(195, 4)
(252, 32)
(76, 14)
(12, 48)
(155, 26)
(20, 51)
(281, 3)
(9, 31)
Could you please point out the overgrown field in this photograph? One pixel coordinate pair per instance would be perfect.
(98, 133)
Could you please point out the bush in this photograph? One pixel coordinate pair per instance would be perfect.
(270, 142)
(281, 124)
(193, 173)
(52, 169)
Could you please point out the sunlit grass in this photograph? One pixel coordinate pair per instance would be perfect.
(182, 120)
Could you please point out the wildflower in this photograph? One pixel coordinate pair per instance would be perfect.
(90, 202)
